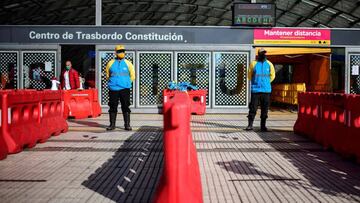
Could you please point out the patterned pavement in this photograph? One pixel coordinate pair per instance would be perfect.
(88, 164)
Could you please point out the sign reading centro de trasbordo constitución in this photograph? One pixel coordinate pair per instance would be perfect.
(292, 36)
(80, 35)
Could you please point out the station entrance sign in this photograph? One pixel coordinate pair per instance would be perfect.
(288, 36)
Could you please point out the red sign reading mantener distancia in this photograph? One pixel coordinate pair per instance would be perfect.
(292, 36)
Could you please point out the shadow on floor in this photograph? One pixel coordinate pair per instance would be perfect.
(87, 123)
(324, 170)
(133, 172)
(248, 168)
(217, 125)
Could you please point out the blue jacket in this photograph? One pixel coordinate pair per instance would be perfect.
(120, 74)
(261, 75)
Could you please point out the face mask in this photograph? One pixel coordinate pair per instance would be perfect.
(121, 55)
(261, 57)
(67, 67)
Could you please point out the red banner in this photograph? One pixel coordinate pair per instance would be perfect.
(292, 36)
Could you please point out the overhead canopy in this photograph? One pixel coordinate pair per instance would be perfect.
(289, 13)
(291, 51)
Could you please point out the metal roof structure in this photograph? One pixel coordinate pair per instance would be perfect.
(289, 13)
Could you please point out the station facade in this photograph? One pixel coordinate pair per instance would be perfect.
(213, 58)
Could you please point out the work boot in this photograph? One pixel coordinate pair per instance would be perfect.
(263, 125)
(112, 117)
(250, 125)
(127, 121)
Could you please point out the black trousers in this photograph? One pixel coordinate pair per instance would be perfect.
(264, 100)
(124, 97)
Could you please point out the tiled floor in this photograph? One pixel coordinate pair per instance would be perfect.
(88, 164)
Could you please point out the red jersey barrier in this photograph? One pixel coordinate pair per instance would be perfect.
(24, 123)
(180, 181)
(81, 103)
(52, 121)
(96, 104)
(335, 124)
(332, 120)
(353, 124)
(308, 114)
(197, 99)
(29, 116)
(3, 146)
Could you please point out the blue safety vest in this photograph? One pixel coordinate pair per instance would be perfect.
(119, 76)
(260, 81)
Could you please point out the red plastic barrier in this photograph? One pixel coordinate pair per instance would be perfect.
(180, 181)
(52, 120)
(353, 128)
(332, 116)
(24, 125)
(167, 96)
(29, 116)
(308, 114)
(197, 100)
(330, 132)
(81, 103)
(96, 104)
(335, 122)
(3, 146)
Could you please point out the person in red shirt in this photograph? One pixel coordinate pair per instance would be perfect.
(69, 77)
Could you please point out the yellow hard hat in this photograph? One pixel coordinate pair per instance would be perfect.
(119, 47)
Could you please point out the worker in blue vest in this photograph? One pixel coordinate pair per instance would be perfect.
(120, 74)
(261, 74)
